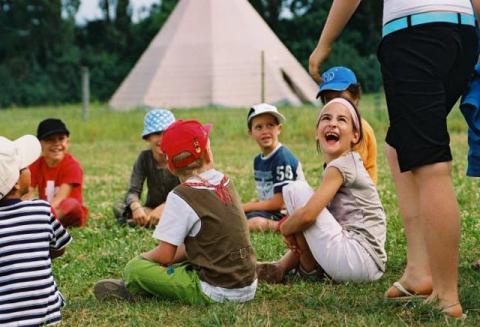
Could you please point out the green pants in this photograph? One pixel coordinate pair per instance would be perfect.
(178, 282)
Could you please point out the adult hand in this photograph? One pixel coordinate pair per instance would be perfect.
(317, 58)
(340, 12)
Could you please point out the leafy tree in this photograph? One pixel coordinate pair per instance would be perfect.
(34, 39)
(270, 10)
(299, 22)
(111, 45)
(42, 50)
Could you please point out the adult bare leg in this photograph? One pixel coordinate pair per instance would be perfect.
(441, 229)
(416, 277)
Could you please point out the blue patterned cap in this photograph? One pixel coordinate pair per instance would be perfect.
(157, 120)
(337, 79)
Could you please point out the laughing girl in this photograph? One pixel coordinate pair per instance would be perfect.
(338, 230)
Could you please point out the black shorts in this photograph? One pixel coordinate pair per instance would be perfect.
(425, 69)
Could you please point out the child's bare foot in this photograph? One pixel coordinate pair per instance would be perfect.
(260, 224)
(269, 272)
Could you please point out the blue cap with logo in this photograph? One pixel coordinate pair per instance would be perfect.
(157, 120)
(337, 79)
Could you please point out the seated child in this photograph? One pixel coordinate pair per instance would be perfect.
(342, 82)
(151, 165)
(339, 229)
(57, 175)
(30, 237)
(274, 167)
(202, 221)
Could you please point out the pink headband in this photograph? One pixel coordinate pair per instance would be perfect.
(350, 108)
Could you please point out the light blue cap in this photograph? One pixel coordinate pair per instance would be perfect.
(337, 79)
(157, 120)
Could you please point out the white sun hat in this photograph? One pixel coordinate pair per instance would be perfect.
(15, 156)
(265, 108)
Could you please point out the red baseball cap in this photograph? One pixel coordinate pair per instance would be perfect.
(185, 136)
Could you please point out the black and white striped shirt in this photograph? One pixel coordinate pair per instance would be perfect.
(28, 292)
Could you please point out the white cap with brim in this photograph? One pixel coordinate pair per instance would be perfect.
(265, 108)
(15, 156)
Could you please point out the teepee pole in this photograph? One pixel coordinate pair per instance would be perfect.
(85, 92)
(262, 76)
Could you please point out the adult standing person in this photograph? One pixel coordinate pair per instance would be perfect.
(427, 55)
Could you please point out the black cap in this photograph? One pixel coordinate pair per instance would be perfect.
(51, 126)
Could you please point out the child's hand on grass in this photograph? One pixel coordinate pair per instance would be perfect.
(139, 216)
(154, 216)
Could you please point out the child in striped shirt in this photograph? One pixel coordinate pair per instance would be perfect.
(30, 236)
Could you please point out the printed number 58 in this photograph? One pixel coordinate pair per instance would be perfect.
(284, 172)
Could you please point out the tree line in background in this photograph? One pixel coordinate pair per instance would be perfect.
(42, 49)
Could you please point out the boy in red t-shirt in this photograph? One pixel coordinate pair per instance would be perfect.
(57, 175)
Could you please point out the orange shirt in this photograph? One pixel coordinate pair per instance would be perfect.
(368, 150)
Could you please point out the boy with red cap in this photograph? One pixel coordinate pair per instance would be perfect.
(204, 254)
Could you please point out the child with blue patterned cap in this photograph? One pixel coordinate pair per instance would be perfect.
(151, 165)
(341, 82)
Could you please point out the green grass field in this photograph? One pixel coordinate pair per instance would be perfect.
(107, 145)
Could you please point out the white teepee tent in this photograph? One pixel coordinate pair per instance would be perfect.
(209, 52)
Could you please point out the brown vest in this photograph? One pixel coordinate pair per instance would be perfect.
(221, 251)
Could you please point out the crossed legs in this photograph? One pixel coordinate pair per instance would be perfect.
(275, 272)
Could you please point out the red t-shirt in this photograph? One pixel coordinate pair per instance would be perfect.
(49, 179)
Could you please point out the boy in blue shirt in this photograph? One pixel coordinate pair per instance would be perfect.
(274, 167)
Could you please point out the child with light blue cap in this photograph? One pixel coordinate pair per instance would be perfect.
(151, 165)
(341, 82)
(156, 121)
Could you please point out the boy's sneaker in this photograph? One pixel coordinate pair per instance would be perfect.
(108, 289)
(269, 272)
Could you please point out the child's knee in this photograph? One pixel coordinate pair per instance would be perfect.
(296, 195)
(71, 213)
(119, 209)
(133, 269)
(133, 274)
